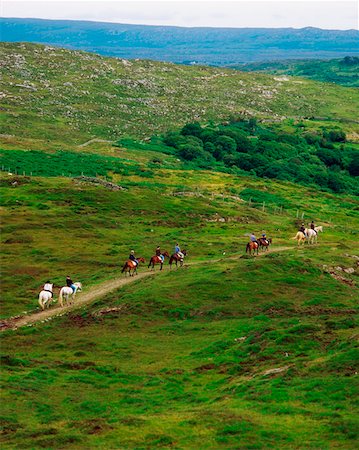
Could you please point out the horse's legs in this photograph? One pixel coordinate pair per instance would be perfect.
(161, 266)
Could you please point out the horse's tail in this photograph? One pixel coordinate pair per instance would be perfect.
(296, 236)
(61, 297)
(124, 267)
(40, 301)
(247, 247)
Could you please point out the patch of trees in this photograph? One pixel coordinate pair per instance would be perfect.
(321, 158)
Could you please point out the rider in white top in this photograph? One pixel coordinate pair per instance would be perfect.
(48, 287)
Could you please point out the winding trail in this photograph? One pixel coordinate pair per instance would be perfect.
(100, 290)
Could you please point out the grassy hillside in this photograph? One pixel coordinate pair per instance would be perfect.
(54, 98)
(341, 71)
(241, 353)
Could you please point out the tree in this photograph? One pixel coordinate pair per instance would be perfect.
(192, 129)
(354, 165)
(224, 145)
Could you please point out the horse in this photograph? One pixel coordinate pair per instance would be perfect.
(312, 235)
(45, 298)
(175, 258)
(252, 246)
(264, 243)
(300, 237)
(158, 260)
(132, 266)
(67, 294)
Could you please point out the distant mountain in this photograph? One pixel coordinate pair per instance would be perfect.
(211, 46)
(343, 71)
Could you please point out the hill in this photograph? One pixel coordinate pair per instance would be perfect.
(54, 97)
(230, 351)
(341, 71)
(209, 46)
(219, 354)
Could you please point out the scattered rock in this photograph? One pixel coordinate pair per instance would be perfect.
(243, 338)
(276, 370)
(98, 181)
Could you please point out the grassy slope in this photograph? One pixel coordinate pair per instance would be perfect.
(333, 71)
(55, 98)
(167, 372)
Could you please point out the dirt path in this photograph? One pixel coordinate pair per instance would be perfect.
(100, 291)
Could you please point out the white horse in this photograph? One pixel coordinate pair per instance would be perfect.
(46, 297)
(312, 235)
(67, 294)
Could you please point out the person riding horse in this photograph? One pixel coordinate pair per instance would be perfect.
(159, 254)
(252, 238)
(48, 287)
(302, 230)
(133, 258)
(71, 284)
(312, 226)
(264, 238)
(178, 251)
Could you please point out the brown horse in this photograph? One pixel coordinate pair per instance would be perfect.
(130, 266)
(264, 243)
(252, 246)
(177, 259)
(158, 260)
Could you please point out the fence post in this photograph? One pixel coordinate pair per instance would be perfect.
(302, 215)
(263, 207)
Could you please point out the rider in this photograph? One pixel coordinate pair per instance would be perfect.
(133, 258)
(48, 287)
(312, 226)
(264, 237)
(158, 253)
(70, 284)
(253, 238)
(178, 251)
(302, 229)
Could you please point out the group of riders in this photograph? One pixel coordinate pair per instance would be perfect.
(158, 253)
(48, 286)
(303, 230)
(263, 240)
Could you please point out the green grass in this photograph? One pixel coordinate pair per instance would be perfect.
(184, 363)
(172, 371)
(340, 71)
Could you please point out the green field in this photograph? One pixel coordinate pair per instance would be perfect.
(230, 351)
(343, 71)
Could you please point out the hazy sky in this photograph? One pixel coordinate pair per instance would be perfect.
(330, 14)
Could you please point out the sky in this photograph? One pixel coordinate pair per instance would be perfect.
(328, 14)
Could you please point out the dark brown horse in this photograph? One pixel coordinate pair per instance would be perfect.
(158, 260)
(175, 258)
(252, 246)
(130, 267)
(264, 243)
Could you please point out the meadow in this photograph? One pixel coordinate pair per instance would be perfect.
(231, 351)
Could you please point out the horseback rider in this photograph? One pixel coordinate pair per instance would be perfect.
(264, 238)
(159, 254)
(178, 251)
(312, 226)
(48, 287)
(133, 258)
(302, 229)
(70, 284)
(253, 238)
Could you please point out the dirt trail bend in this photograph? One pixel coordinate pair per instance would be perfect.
(99, 291)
